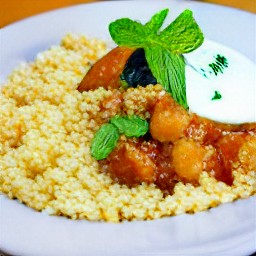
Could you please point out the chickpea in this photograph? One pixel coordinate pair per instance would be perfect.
(169, 120)
(188, 159)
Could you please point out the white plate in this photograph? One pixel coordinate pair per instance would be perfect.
(229, 229)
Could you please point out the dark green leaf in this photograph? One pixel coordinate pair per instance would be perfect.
(217, 96)
(104, 141)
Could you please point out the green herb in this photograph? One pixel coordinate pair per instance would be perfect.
(217, 96)
(159, 57)
(157, 21)
(130, 126)
(106, 138)
(104, 141)
(183, 35)
(211, 65)
(129, 33)
(220, 63)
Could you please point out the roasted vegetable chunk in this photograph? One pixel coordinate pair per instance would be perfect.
(129, 165)
(229, 146)
(106, 71)
(136, 71)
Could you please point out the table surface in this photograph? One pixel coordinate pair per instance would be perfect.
(15, 10)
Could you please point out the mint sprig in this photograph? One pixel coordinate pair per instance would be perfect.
(158, 57)
(163, 49)
(106, 138)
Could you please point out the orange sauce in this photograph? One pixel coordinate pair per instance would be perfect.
(204, 145)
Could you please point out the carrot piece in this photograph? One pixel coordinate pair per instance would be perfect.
(130, 165)
(107, 70)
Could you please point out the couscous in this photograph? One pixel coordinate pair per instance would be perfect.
(46, 130)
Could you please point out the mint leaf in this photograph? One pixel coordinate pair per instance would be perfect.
(183, 34)
(106, 138)
(164, 48)
(156, 21)
(169, 71)
(104, 141)
(129, 33)
(130, 126)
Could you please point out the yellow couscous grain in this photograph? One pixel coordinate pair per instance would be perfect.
(45, 133)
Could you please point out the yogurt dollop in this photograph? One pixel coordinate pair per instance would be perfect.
(221, 84)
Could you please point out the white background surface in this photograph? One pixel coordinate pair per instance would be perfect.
(229, 229)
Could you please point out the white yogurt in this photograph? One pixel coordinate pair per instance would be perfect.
(236, 83)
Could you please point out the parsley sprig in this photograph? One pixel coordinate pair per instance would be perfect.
(164, 49)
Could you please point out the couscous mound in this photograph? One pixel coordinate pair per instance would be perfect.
(45, 135)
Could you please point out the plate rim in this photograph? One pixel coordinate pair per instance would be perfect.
(37, 16)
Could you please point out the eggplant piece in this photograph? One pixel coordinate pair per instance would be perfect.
(136, 71)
